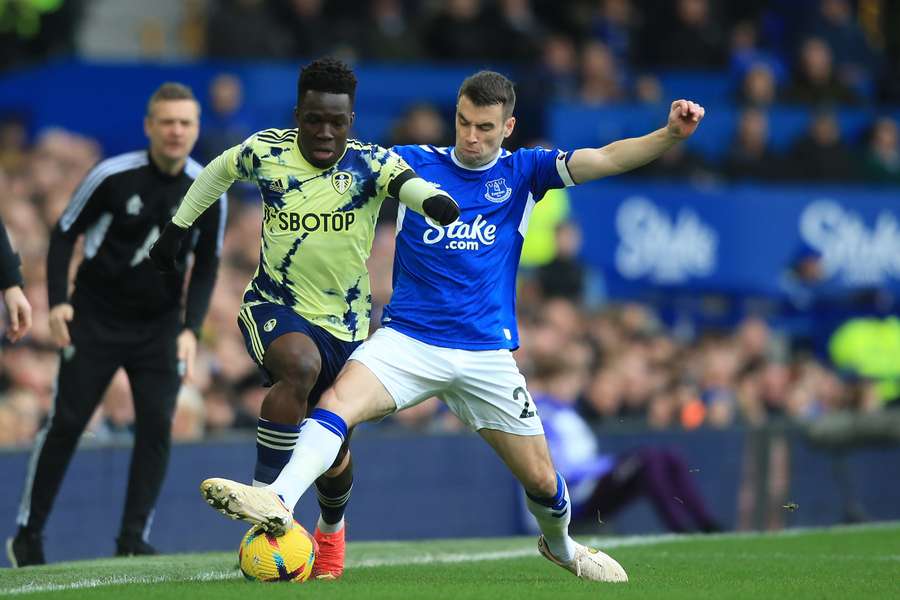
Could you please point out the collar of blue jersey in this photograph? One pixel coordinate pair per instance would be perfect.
(483, 167)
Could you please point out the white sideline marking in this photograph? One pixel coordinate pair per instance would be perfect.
(443, 558)
(449, 558)
(32, 588)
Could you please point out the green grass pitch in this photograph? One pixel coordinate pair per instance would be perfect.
(841, 562)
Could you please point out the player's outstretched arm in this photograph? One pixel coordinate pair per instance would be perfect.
(213, 181)
(424, 198)
(587, 164)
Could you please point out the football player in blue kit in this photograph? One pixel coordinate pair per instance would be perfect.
(450, 327)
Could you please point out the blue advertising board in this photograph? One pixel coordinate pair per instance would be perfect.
(737, 239)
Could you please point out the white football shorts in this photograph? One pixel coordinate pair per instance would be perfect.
(484, 388)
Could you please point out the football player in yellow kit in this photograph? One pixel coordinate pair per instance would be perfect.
(307, 307)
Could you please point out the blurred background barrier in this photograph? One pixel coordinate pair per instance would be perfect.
(98, 99)
(738, 239)
(765, 478)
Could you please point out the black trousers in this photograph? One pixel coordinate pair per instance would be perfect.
(100, 346)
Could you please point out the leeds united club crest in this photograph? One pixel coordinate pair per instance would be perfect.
(342, 180)
(497, 191)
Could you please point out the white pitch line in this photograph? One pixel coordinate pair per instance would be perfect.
(422, 559)
(435, 558)
(32, 588)
(450, 558)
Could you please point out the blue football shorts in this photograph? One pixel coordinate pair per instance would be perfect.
(262, 322)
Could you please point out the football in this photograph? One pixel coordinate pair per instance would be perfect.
(264, 557)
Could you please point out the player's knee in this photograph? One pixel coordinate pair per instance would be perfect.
(337, 402)
(350, 408)
(329, 400)
(540, 481)
(301, 371)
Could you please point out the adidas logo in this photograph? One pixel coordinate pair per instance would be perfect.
(276, 187)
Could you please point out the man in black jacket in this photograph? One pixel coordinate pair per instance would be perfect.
(123, 313)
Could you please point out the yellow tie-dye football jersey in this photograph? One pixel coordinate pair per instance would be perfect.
(318, 226)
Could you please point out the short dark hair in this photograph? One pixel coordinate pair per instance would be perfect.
(485, 88)
(326, 75)
(171, 90)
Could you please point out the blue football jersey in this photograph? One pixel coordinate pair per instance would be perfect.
(455, 286)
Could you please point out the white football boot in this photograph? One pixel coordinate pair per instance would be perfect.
(256, 505)
(589, 563)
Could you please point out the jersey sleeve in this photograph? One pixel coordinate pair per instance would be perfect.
(549, 171)
(388, 165)
(242, 160)
(10, 263)
(207, 252)
(209, 186)
(87, 203)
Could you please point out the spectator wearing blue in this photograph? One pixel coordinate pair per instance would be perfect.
(613, 23)
(854, 58)
(601, 484)
(746, 55)
(225, 124)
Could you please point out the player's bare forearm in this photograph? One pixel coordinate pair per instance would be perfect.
(625, 155)
(620, 156)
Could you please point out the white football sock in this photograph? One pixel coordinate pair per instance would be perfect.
(553, 516)
(329, 527)
(317, 447)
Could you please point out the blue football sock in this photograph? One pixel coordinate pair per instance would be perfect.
(274, 445)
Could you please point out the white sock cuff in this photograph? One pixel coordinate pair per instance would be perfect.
(329, 527)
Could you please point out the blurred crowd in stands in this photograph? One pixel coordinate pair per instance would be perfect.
(819, 55)
(618, 362)
(798, 51)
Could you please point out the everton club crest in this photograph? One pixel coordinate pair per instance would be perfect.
(342, 180)
(497, 191)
